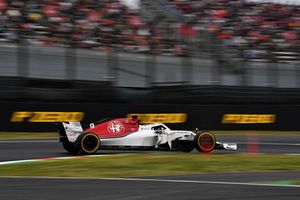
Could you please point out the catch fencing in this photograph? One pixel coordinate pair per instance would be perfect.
(142, 70)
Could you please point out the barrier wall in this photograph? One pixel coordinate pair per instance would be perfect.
(41, 116)
(142, 70)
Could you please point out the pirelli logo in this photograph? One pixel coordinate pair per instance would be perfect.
(29, 116)
(248, 118)
(160, 117)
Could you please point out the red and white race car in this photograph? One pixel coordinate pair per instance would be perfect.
(128, 133)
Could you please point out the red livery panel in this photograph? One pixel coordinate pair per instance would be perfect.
(115, 128)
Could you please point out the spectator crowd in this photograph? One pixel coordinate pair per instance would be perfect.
(251, 28)
(98, 24)
(256, 28)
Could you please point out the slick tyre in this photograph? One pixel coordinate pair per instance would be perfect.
(70, 147)
(205, 142)
(88, 143)
(186, 146)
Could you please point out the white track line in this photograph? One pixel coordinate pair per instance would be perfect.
(49, 159)
(17, 161)
(156, 180)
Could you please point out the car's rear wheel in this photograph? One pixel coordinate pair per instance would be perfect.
(205, 142)
(70, 147)
(88, 143)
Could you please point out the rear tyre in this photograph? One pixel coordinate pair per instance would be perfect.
(88, 143)
(205, 142)
(70, 147)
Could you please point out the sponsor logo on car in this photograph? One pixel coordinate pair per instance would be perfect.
(115, 127)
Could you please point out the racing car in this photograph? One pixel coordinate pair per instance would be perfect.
(128, 133)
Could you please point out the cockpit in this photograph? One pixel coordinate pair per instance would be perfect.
(159, 127)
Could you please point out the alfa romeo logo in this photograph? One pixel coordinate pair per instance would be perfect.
(115, 127)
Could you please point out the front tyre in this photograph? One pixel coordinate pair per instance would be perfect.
(88, 143)
(205, 142)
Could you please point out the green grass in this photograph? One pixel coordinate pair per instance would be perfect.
(152, 165)
(24, 135)
(297, 182)
(285, 182)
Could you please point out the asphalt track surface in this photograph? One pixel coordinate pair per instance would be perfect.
(199, 186)
(183, 187)
(31, 149)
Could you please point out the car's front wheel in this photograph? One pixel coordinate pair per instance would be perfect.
(205, 141)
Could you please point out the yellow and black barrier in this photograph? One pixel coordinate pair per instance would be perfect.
(41, 116)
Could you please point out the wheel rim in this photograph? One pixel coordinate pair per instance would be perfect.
(206, 142)
(90, 143)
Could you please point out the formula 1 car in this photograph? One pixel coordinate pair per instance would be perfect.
(128, 133)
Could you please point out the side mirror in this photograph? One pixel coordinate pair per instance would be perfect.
(92, 125)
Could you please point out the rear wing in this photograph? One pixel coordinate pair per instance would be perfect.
(69, 130)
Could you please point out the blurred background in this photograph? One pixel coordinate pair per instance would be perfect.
(197, 52)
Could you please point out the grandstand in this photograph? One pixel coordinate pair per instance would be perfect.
(247, 29)
(66, 46)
